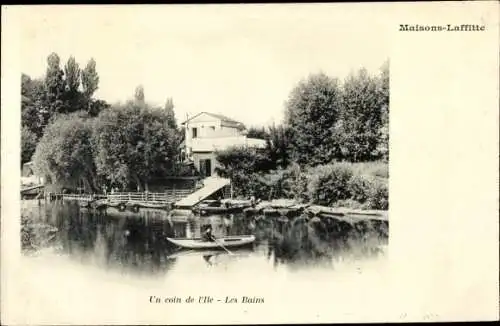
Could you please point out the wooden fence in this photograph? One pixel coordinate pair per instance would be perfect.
(168, 196)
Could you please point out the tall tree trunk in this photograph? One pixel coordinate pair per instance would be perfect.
(138, 182)
(87, 187)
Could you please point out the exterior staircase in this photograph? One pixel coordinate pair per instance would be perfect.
(210, 186)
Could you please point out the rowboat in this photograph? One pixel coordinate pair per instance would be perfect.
(222, 207)
(228, 242)
(155, 205)
(209, 252)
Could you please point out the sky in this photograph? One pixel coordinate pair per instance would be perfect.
(240, 61)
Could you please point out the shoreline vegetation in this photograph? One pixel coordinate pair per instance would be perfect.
(331, 149)
(301, 240)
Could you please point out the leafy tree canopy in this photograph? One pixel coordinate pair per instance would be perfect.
(64, 154)
(134, 144)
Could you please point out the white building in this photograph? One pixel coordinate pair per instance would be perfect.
(207, 132)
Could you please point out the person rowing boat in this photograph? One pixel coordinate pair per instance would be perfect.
(207, 235)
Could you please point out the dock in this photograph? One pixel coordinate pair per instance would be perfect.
(172, 198)
(130, 199)
(34, 191)
(210, 186)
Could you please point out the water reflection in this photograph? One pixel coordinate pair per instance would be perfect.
(136, 242)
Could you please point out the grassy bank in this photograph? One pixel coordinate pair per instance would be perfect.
(339, 184)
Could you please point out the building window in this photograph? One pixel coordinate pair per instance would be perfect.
(195, 132)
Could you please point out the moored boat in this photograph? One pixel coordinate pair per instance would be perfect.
(156, 205)
(228, 242)
(207, 210)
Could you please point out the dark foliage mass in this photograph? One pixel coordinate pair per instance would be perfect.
(74, 138)
(60, 91)
(333, 122)
(326, 123)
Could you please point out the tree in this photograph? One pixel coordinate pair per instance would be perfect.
(97, 106)
(312, 109)
(278, 145)
(64, 155)
(57, 94)
(257, 132)
(139, 95)
(383, 146)
(360, 117)
(34, 105)
(55, 85)
(73, 97)
(72, 72)
(28, 144)
(90, 79)
(90, 84)
(384, 83)
(169, 110)
(243, 166)
(133, 145)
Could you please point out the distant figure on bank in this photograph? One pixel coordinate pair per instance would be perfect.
(252, 201)
(207, 235)
(228, 222)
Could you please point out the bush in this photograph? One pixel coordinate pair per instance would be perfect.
(28, 144)
(64, 154)
(294, 184)
(329, 183)
(359, 188)
(358, 185)
(249, 171)
(379, 196)
(340, 184)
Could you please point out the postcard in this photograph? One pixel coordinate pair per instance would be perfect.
(250, 164)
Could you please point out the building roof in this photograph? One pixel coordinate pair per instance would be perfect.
(215, 115)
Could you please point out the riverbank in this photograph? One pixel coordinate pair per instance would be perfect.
(338, 184)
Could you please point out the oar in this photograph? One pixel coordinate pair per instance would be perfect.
(222, 246)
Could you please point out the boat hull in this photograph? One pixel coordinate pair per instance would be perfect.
(228, 242)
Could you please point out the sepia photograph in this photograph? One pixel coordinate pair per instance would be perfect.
(177, 159)
(204, 151)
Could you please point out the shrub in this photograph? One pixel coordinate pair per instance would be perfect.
(379, 196)
(359, 188)
(344, 184)
(246, 167)
(64, 154)
(28, 144)
(329, 183)
(294, 184)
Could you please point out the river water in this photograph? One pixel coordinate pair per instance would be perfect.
(81, 256)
